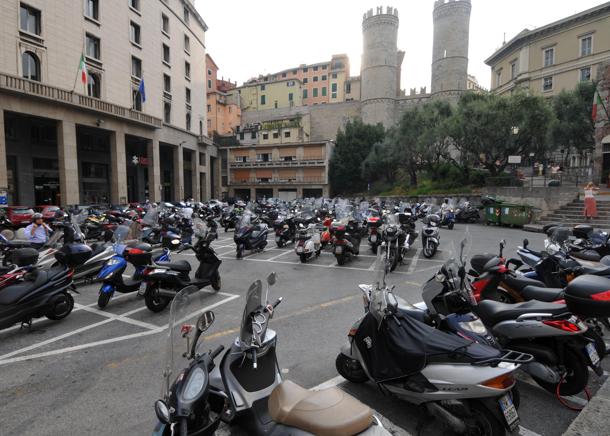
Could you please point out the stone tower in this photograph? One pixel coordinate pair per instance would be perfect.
(380, 69)
(450, 47)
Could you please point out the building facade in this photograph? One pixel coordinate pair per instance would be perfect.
(223, 107)
(555, 57)
(136, 130)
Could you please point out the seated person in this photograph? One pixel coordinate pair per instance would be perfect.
(37, 232)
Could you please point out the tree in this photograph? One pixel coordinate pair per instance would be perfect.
(352, 147)
(381, 163)
(573, 128)
(489, 128)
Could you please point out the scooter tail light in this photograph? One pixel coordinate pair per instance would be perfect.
(352, 332)
(602, 296)
(563, 324)
(505, 381)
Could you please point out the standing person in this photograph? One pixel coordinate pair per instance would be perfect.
(37, 232)
(590, 202)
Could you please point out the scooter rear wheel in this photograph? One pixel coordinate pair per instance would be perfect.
(303, 258)
(350, 369)
(482, 422)
(576, 378)
(60, 306)
(155, 302)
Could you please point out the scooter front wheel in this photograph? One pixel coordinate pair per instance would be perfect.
(450, 225)
(350, 369)
(103, 299)
(155, 302)
(303, 258)
(482, 422)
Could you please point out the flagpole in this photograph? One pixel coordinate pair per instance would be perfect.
(77, 72)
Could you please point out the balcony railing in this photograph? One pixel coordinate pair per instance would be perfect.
(308, 162)
(295, 181)
(28, 87)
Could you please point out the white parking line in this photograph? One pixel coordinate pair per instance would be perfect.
(414, 260)
(4, 361)
(119, 317)
(279, 255)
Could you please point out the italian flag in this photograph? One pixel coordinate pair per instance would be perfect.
(82, 67)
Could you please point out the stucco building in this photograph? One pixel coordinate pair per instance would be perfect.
(64, 141)
(223, 107)
(555, 57)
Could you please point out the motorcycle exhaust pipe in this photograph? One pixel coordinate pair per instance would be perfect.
(167, 293)
(454, 422)
(541, 372)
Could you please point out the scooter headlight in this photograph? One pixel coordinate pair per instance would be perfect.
(195, 384)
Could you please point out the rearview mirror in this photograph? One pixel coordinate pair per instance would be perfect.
(205, 321)
(271, 279)
(526, 242)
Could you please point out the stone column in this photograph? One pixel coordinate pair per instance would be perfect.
(69, 184)
(178, 174)
(3, 167)
(195, 175)
(154, 169)
(118, 182)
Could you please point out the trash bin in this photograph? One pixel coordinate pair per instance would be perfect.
(493, 213)
(516, 215)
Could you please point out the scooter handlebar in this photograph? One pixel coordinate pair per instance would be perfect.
(214, 354)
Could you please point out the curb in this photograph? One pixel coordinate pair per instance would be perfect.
(536, 228)
(593, 419)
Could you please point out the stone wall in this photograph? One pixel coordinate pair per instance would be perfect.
(602, 130)
(545, 199)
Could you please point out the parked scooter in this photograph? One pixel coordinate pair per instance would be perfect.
(465, 384)
(261, 403)
(140, 255)
(430, 235)
(347, 235)
(285, 229)
(308, 242)
(165, 279)
(250, 234)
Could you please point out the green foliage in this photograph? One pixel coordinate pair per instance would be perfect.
(352, 147)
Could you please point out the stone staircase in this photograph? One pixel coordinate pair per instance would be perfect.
(572, 214)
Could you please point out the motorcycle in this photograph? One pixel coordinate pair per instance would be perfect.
(347, 235)
(466, 213)
(447, 215)
(111, 274)
(308, 242)
(465, 384)
(373, 224)
(190, 405)
(430, 235)
(261, 403)
(165, 279)
(250, 234)
(285, 229)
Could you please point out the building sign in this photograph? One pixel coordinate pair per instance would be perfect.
(3, 198)
(139, 160)
(515, 160)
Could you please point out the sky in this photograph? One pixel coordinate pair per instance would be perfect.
(251, 37)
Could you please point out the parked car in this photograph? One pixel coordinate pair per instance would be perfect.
(20, 215)
(47, 211)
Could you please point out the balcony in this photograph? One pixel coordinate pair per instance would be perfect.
(296, 181)
(309, 162)
(18, 85)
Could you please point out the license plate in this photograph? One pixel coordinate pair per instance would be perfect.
(142, 289)
(510, 411)
(592, 353)
(339, 250)
(373, 238)
(299, 249)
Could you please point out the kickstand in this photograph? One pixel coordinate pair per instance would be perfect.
(27, 324)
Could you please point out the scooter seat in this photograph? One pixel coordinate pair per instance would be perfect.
(493, 312)
(327, 412)
(179, 265)
(97, 249)
(12, 294)
(541, 293)
(601, 271)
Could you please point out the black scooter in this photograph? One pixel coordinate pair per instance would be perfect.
(250, 234)
(165, 279)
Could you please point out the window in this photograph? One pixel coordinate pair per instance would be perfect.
(136, 67)
(348, 87)
(262, 87)
(333, 95)
(586, 45)
(498, 78)
(93, 85)
(585, 74)
(290, 83)
(283, 75)
(513, 70)
(209, 83)
(187, 70)
(547, 84)
(166, 53)
(252, 135)
(209, 72)
(324, 91)
(241, 135)
(210, 110)
(241, 158)
(167, 83)
(333, 87)
(187, 43)
(290, 96)
(136, 97)
(333, 75)
(202, 158)
(263, 157)
(92, 46)
(275, 104)
(134, 33)
(187, 94)
(265, 136)
(315, 92)
(549, 57)
(263, 99)
(186, 14)
(315, 68)
(167, 112)
(304, 93)
(305, 69)
(324, 67)
(276, 135)
(165, 23)
(315, 78)
(287, 134)
(29, 19)
(294, 72)
(188, 121)
(92, 9)
(324, 77)
(135, 4)
(30, 66)
(305, 81)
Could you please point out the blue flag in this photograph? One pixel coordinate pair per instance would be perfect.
(142, 90)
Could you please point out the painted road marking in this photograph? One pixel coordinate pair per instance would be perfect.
(279, 255)
(121, 318)
(414, 260)
(4, 361)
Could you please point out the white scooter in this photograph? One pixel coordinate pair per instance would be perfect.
(308, 242)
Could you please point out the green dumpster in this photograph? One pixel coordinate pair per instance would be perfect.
(493, 213)
(516, 215)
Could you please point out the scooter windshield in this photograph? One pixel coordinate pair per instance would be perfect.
(245, 220)
(247, 333)
(121, 233)
(186, 306)
(151, 218)
(200, 228)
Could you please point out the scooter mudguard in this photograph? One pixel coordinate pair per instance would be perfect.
(114, 264)
(107, 288)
